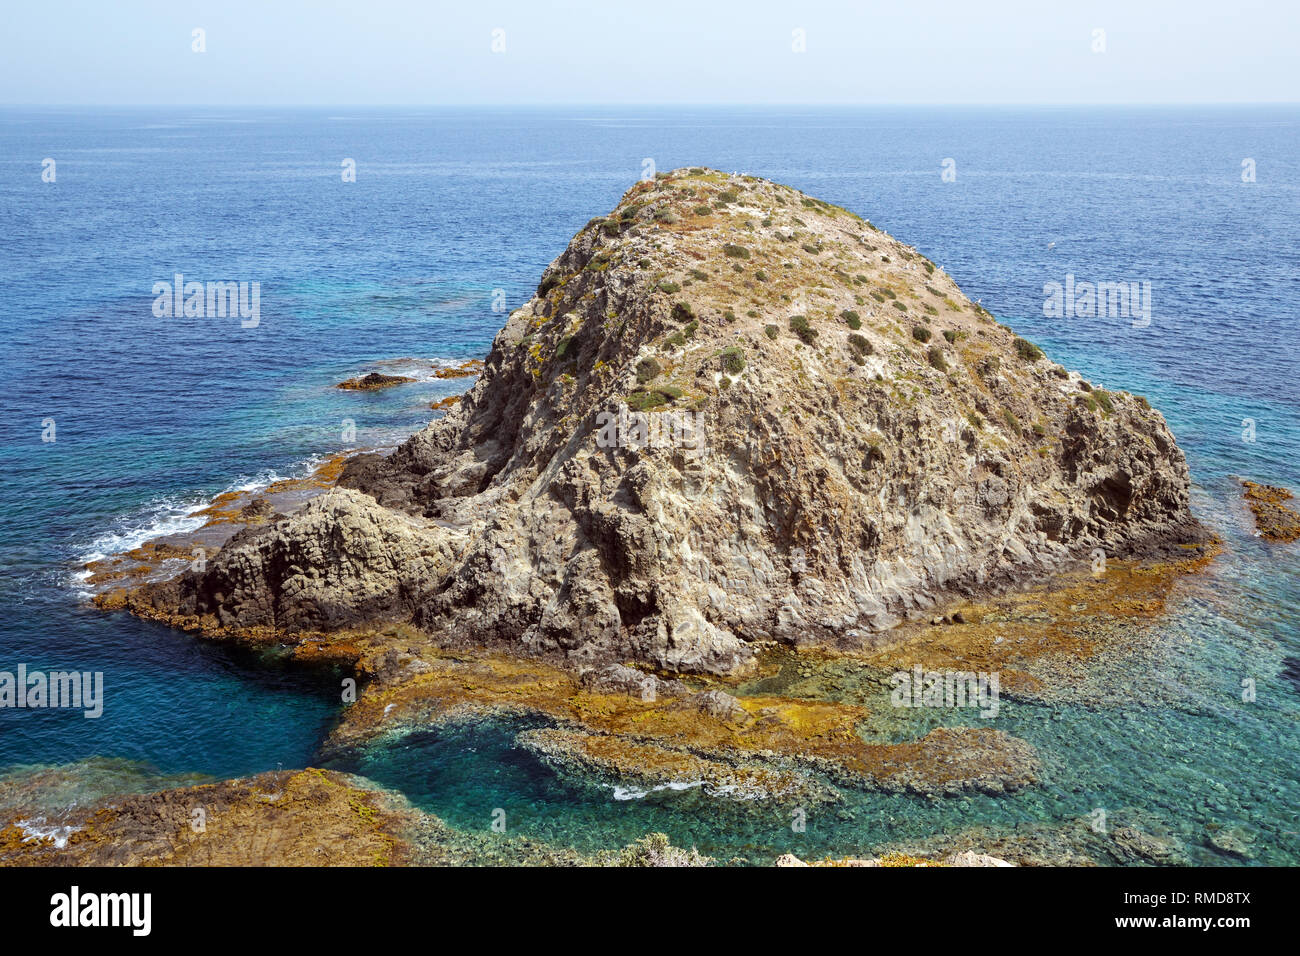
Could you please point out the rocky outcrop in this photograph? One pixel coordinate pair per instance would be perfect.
(340, 561)
(633, 769)
(373, 382)
(310, 817)
(287, 818)
(467, 369)
(732, 414)
(1274, 519)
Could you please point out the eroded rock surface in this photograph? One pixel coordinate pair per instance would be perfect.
(732, 414)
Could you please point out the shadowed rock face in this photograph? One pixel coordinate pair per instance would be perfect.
(853, 441)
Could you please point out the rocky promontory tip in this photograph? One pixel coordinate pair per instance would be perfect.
(731, 415)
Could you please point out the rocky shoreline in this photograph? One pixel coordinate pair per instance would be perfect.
(736, 425)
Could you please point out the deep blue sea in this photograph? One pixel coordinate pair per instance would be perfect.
(154, 415)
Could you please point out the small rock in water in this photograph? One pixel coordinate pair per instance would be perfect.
(1234, 841)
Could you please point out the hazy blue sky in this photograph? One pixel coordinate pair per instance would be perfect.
(667, 51)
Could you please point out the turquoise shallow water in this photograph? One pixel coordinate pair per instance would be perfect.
(1170, 749)
(156, 415)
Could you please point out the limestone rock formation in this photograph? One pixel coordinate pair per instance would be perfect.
(731, 414)
(342, 559)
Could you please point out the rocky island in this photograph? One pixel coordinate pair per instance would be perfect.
(741, 457)
(862, 443)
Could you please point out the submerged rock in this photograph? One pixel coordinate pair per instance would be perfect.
(1232, 841)
(825, 472)
(1069, 842)
(1274, 519)
(654, 849)
(633, 769)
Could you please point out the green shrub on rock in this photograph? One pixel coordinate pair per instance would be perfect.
(647, 369)
(800, 327)
(1028, 350)
(733, 360)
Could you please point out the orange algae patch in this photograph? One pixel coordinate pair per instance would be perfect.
(224, 507)
(325, 476)
(285, 818)
(818, 734)
(136, 563)
(1274, 520)
(465, 369)
(230, 506)
(903, 859)
(1067, 618)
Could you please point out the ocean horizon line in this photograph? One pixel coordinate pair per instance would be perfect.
(553, 107)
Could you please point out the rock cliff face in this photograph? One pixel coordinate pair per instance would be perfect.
(731, 414)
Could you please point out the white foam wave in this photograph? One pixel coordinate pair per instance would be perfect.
(634, 793)
(34, 830)
(170, 515)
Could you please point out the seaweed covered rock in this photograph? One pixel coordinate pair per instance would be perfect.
(373, 382)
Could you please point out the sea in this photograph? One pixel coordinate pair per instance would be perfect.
(381, 236)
